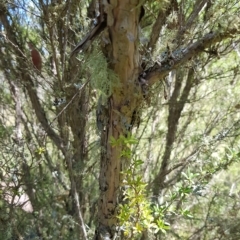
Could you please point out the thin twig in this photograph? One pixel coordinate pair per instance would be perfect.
(74, 96)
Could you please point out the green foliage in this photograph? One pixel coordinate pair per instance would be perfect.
(40, 150)
(136, 214)
(5, 131)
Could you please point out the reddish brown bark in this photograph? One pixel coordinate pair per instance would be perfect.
(122, 26)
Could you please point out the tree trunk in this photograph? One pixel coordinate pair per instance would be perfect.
(122, 27)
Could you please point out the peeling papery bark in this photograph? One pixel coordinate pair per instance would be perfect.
(122, 24)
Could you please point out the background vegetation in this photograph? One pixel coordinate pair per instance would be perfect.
(181, 179)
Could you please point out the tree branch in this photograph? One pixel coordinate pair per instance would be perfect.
(175, 110)
(195, 13)
(159, 23)
(28, 82)
(181, 56)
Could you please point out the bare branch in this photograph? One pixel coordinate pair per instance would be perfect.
(197, 9)
(175, 109)
(181, 56)
(161, 20)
